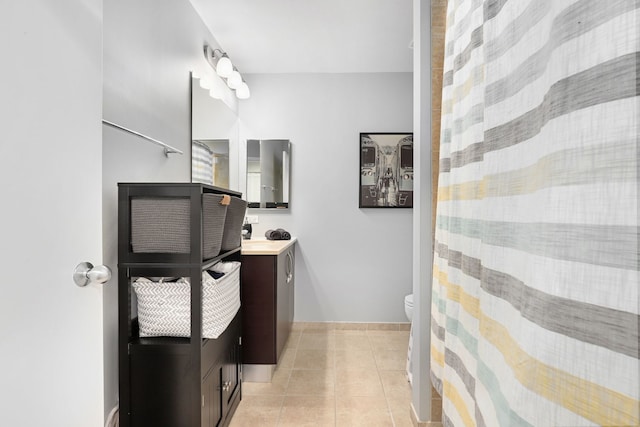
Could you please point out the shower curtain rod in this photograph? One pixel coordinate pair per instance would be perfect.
(167, 148)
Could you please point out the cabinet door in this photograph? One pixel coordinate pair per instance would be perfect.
(212, 398)
(284, 316)
(290, 275)
(258, 296)
(231, 378)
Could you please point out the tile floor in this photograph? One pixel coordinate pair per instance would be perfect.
(332, 376)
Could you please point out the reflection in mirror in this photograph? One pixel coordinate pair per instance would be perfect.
(210, 162)
(214, 129)
(268, 173)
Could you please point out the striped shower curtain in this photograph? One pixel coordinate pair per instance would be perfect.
(536, 281)
(201, 163)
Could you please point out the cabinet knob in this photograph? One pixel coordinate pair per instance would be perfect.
(86, 273)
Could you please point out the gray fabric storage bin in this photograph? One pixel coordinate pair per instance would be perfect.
(213, 219)
(232, 236)
(162, 225)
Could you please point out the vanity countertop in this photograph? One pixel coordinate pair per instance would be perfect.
(265, 247)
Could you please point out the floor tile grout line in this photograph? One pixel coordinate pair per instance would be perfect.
(284, 396)
(384, 390)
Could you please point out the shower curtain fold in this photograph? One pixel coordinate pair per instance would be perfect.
(201, 163)
(536, 281)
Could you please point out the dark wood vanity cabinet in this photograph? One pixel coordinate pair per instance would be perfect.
(267, 297)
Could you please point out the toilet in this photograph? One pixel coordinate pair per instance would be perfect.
(408, 310)
(408, 306)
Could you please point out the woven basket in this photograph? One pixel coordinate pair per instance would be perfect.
(232, 235)
(213, 219)
(164, 308)
(162, 225)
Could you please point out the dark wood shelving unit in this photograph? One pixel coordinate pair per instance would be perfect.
(169, 381)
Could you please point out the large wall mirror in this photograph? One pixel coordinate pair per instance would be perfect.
(214, 134)
(268, 173)
(217, 158)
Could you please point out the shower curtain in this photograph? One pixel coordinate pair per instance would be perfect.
(201, 163)
(535, 311)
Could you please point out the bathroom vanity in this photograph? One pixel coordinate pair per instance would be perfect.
(267, 297)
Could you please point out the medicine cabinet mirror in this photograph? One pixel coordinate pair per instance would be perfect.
(268, 173)
(214, 129)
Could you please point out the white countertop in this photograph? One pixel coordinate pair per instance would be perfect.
(265, 247)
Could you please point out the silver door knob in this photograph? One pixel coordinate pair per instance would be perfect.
(86, 273)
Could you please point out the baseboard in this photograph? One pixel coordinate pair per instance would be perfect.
(418, 423)
(257, 373)
(353, 326)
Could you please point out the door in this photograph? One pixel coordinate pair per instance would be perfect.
(51, 351)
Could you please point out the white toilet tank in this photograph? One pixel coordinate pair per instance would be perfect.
(408, 306)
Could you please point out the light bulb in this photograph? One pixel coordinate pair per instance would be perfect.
(224, 67)
(234, 80)
(243, 91)
(205, 83)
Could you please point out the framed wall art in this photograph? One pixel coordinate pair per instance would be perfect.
(386, 170)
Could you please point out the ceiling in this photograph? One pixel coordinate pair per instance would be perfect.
(312, 36)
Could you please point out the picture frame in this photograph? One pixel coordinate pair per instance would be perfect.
(386, 170)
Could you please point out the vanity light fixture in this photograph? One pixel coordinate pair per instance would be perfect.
(223, 66)
(234, 80)
(243, 91)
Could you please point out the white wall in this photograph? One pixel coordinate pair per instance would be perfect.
(353, 265)
(149, 49)
(421, 398)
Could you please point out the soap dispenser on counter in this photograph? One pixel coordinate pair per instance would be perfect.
(246, 230)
